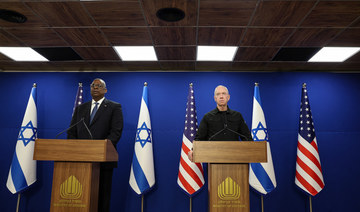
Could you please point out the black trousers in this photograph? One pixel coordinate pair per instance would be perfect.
(105, 182)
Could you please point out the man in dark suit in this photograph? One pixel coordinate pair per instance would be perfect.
(104, 120)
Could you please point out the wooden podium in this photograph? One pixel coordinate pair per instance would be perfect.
(228, 171)
(76, 171)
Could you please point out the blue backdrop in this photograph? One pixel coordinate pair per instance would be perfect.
(334, 100)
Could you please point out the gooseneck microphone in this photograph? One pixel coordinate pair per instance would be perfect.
(227, 128)
(81, 120)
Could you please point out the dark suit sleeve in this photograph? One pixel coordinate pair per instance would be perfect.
(116, 124)
(202, 133)
(244, 130)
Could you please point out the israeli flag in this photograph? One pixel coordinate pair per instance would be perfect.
(23, 168)
(142, 175)
(262, 175)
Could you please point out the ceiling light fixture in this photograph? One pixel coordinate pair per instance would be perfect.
(136, 53)
(12, 16)
(170, 14)
(216, 53)
(22, 54)
(334, 54)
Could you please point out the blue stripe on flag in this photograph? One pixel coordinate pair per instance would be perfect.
(139, 175)
(257, 95)
(33, 94)
(17, 174)
(261, 174)
(145, 95)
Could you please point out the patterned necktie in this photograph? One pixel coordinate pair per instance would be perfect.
(94, 111)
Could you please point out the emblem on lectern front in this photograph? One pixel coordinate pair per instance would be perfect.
(228, 190)
(71, 188)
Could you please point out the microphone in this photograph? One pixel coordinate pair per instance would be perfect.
(239, 134)
(227, 128)
(92, 138)
(217, 133)
(81, 120)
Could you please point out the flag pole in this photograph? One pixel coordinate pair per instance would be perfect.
(310, 203)
(142, 203)
(262, 203)
(190, 204)
(18, 202)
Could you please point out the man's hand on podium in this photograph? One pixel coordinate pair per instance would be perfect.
(190, 155)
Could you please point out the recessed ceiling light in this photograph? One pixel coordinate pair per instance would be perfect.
(216, 53)
(334, 54)
(136, 53)
(22, 54)
(170, 14)
(12, 16)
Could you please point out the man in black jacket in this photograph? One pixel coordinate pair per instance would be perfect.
(222, 123)
(104, 120)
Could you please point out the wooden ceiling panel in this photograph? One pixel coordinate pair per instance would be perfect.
(177, 65)
(173, 35)
(220, 36)
(143, 66)
(34, 37)
(218, 66)
(8, 40)
(312, 37)
(60, 14)
(266, 36)
(255, 54)
(260, 28)
(333, 14)
(189, 7)
(228, 13)
(349, 37)
(176, 53)
(281, 13)
(32, 19)
(97, 53)
(128, 36)
(116, 13)
(82, 36)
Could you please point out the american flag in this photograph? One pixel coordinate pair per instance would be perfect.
(191, 175)
(309, 175)
(79, 97)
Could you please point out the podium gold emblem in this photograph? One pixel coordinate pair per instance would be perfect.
(71, 188)
(228, 190)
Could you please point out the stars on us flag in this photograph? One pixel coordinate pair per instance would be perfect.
(306, 127)
(190, 118)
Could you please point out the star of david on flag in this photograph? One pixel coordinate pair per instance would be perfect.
(143, 135)
(142, 174)
(22, 172)
(261, 175)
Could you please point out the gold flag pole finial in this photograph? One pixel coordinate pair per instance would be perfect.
(34, 85)
(191, 84)
(304, 85)
(145, 83)
(256, 84)
(80, 84)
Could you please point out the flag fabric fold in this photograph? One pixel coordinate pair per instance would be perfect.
(191, 175)
(142, 174)
(79, 97)
(309, 175)
(261, 175)
(22, 172)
